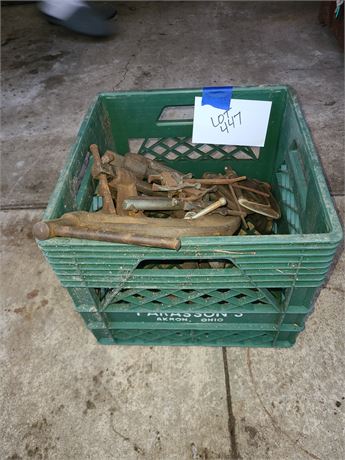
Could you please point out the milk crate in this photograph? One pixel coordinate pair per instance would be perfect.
(266, 292)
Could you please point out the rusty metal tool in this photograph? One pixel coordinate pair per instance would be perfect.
(171, 182)
(110, 161)
(103, 190)
(169, 178)
(144, 187)
(271, 210)
(139, 165)
(103, 187)
(174, 188)
(262, 203)
(207, 210)
(216, 180)
(250, 189)
(229, 212)
(145, 203)
(237, 204)
(224, 190)
(148, 203)
(262, 224)
(231, 174)
(98, 166)
(92, 223)
(191, 195)
(124, 183)
(228, 193)
(45, 230)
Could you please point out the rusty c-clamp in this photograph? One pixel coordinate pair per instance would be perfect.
(101, 173)
(122, 181)
(170, 182)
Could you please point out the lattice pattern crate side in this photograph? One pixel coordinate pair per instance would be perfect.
(196, 299)
(198, 338)
(182, 148)
(246, 308)
(290, 210)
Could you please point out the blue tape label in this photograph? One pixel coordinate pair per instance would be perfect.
(217, 96)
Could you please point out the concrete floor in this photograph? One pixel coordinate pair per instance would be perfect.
(63, 396)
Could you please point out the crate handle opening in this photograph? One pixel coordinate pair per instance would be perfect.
(177, 113)
(186, 264)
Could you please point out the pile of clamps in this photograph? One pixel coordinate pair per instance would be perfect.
(147, 203)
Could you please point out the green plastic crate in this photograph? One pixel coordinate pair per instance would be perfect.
(227, 317)
(279, 274)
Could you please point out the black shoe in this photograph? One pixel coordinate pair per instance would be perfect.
(86, 21)
(104, 9)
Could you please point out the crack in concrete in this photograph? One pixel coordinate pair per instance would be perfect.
(23, 206)
(272, 419)
(131, 58)
(231, 418)
(124, 74)
(138, 449)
